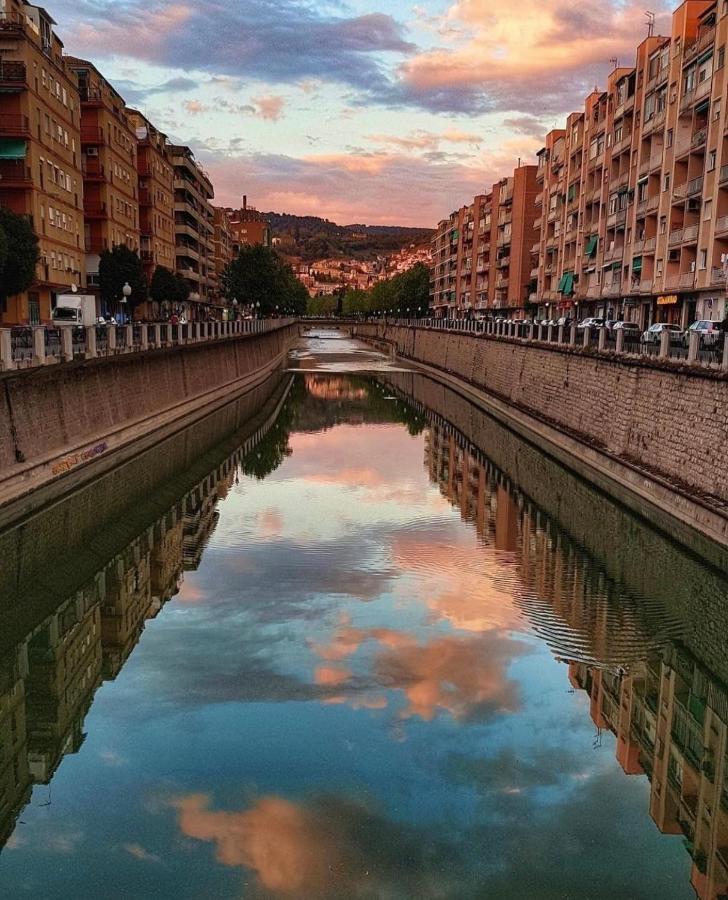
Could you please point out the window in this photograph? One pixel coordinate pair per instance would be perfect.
(658, 267)
(707, 210)
(712, 156)
(663, 224)
(666, 182)
(703, 259)
(669, 137)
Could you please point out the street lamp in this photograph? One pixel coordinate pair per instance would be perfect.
(235, 309)
(257, 309)
(126, 292)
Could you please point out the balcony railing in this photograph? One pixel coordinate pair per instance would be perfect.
(723, 175)
(13, 74)
(675, 237)
(90, 134)
(14, 171)
(12, 125)
(690, 234)
(94, 208)
(695, 186)
(687, 279)
(721, 226)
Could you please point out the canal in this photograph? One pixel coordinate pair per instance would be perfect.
(351, 638)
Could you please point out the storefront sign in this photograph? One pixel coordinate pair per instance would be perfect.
(667, 300)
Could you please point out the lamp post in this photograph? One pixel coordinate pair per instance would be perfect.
(126, 293)
(235, 309)
(257, 309)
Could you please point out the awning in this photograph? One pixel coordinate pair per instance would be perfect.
(591, 245)
(637, 264)
(702, 107)
(566, 285)
(12, 149)
(705, 57)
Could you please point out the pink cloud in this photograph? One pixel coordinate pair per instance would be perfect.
(269, 107)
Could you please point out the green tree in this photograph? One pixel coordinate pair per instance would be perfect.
(19, 253)
(258, 277)
(116, 268)
(163, 286)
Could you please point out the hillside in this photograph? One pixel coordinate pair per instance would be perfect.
(312, 238)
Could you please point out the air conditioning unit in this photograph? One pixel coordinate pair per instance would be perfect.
(694, 205)
(92, 151)
(674, 256)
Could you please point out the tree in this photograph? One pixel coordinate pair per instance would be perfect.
(259, 278)
(118, 267)
(163, 285)
(19, 253)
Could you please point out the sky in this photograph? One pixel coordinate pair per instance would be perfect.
(363, 111)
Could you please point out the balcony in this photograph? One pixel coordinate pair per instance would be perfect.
(14, 173)
(695, 186)
(12, 125)
(92, 135)
(621, 146)
(93, 170)
(93, 209)
(672, 282)
(717, 276)
(690, 234)
(723, 175)
(613, 289)
(13, 76)
(699, 138)
(686, 103)
(504, 262)
(533, 273)
(145, 197)
(687, 280)
(649, 245)
(675, 237)
(721, 226)
(613, 253)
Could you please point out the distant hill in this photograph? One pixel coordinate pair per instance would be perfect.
(310, 237)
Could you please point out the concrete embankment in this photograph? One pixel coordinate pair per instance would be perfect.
(63, 425)
(657, 432)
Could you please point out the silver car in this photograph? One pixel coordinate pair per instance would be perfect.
(653, 335)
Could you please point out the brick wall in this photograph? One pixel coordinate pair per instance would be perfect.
(671, 420)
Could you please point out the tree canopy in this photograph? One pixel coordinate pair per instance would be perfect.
(167, 286)
(406, 294)
(116, 268)
(259, 278)
(19, 253)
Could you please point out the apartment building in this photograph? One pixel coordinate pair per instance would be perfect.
(249, 227)
(109, 163)
(194, 227)
(222, 245)
(481, 255)
(40, 155)
(632, 193)
(156, 196)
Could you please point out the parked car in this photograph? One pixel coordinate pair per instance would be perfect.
(630, 329)
(653, 335)
(709, 332)
(565, 321)
(590, 322)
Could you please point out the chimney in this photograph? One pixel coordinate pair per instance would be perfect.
(245, 201)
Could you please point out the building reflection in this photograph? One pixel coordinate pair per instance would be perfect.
(48, 681)
(668, 713)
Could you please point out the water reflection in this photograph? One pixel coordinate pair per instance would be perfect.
(358, 688)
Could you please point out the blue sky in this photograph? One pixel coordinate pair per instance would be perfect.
(361, 111)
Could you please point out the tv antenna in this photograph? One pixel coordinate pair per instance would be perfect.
(650, 17)
(614, 60)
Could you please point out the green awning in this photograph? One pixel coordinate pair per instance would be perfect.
(637, 264)
(591, 245)
(12, 149)
(702, 107)
(616, 266)
(572, 192)
(562, 282)
(705, 57)
(566, 285)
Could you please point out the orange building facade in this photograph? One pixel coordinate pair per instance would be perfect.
(40, 156)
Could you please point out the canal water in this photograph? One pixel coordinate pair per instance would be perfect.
(355, 639)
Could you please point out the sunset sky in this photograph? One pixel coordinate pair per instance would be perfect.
(359, 111)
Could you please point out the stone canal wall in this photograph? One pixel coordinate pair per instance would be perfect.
(661, 425)
(58, 422)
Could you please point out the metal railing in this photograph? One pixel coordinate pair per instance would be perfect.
(691, 348)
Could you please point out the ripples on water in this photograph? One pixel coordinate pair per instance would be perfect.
(360, 658)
